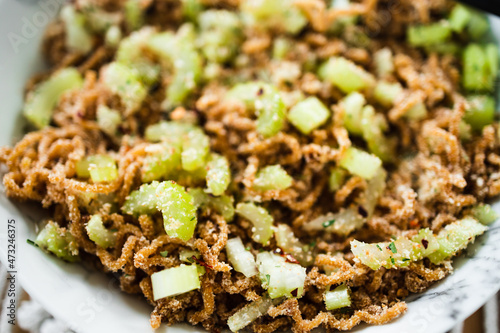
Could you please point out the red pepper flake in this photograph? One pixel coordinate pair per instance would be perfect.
(414, 223)
(425, 243)
(260, 91)
(295, 292)
(288, 257)
(201, 262)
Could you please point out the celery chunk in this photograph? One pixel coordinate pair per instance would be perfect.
(337, 298)
(262, 221)
(113, 36)
(134, 14)
(417, 111)
(164, 159)
(278, 14)
(460, 17)
(142, 201)
(386, 93)
(384, 62)
(345, 75)
(352, 105)
(58, 241)
(125, 82)
(250, 312)
(218, 174)
(179, 212)
(341, 223)
(98, 233)
(286, 240)
(337, 178)
(272, 177)
(281, 47)
(429, 34)
(279, 277)
(168, 131)
(175, 281)
(195, 149)
(221, 35)
(309, 114)
(372, 126)
(478, 24)
(241, 259)
(40, 103)
(480, 67)
(481, 111)
(108, 119)
(77, 38)
(223, 205)
(267, 103)
(100, 168)
(360, 163)
(485, 214)
(191, 9)
(455, 237)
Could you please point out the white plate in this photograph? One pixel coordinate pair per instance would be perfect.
(91, 303)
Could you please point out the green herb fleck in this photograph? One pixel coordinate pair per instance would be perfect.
(164, 253)
(406, 259)
(378, 247)
(392, 260)
(328, 223)
(312, 244)
(114, 230)
(192, 219)
(268, 278)
(247, 248)
(392, 247)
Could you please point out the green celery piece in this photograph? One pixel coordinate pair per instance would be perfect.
(360, 163)
(108, 119)
(223, 205)
(249, 313)
(218, 174)
(191, 9)
(340, 24)
(98, 233)
(58, 241)
(427, 243)
(272, 177)
(113, 36)
(374, 190)
(480, 67)
(481, 111)
(175, 281)
(195, 149)
(125, 82)
(77, 37)
(277, 14)
(281, 47)
(40, 103)
(417, 111)
(266, 101)
(142, 201)
(261, 220)
(444, 48)
(309, 114)
(386, 93)
(179, 212)
(286, 240)
(345, 75)
(429, 34)
(337, 298)
(478, 25)
(372, 126)
(455, 237)
(460, 17)
(168, 131)
(485, 214)
(337, 178)
(164, 160)
(464, 131)
(180, 52)
(221, 35)
(279, 277)
(100, 168)
(384, 62)
(353, 107)
(134, 14)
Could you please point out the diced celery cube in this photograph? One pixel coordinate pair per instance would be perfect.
(77, 38)
(337, 298)
(353, 107)
(179, 212)
(195, 149)
(480, 66)
(250, 312)
(142, 201)
(191, 9)
(398, 253)
(347, 76)
(40, 103)
(430, 34)
(372, 126)
(459, 17)
(286, 240)
(175, 281)
(164, 160)
(277, 14)
(478, 24)
(427, 243)
(218, 174)
(100, 168)
(280, 278)
(417, 111)
(281, 47)
(125, 82)
(481, 111)
(360, 163)
(384, 62)
(168, 131)
(337, 178)
(272, 177)
(386, 93)
(134, 14)
(485, 214)
(108, 119)
(309, 114)
(113, 36)
(223, 205)
(241, 259)
(58, 241)
(262, 221)
(99, 234)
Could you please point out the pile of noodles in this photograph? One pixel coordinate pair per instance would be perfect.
(41, 168)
